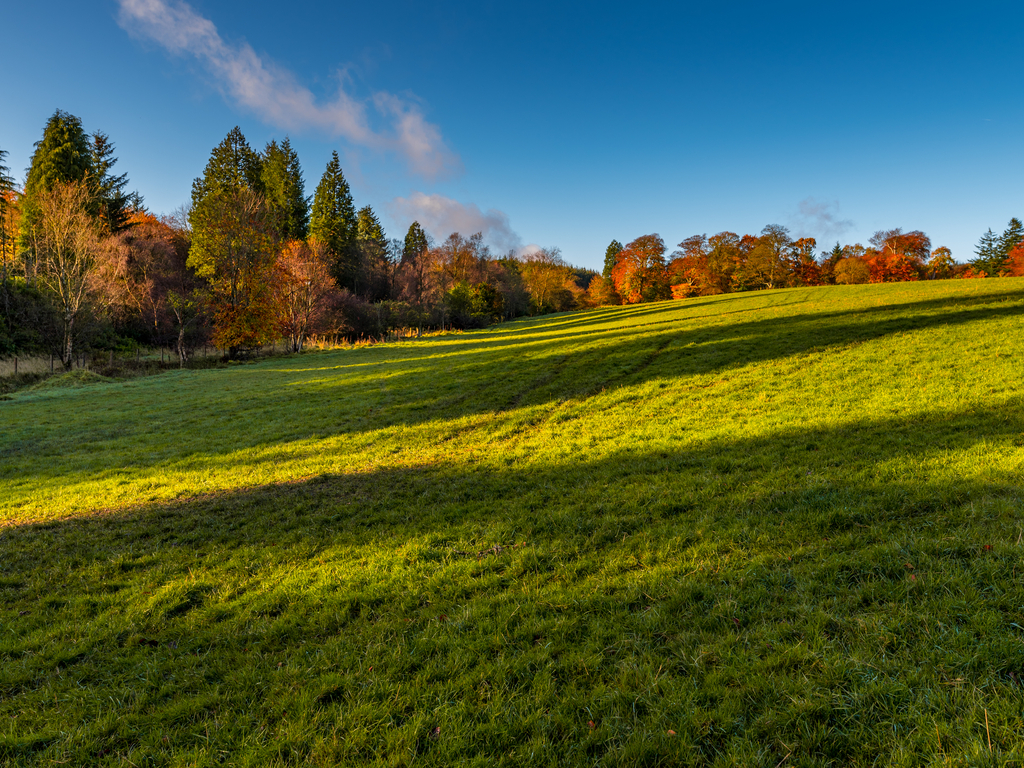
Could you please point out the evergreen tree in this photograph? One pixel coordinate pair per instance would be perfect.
(233, 168)
(63, 155)
(6, 182)
(610, 255)
(415, 243)
(829, 260)
(235, 241)
(1011, 237)
(987, 259)
(285, 189)
(369, 229)
(112, 205)
(332, 220)
(233, 165)
(375, 267)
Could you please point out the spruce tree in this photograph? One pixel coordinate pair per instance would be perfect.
(233, 168)
(233, 165)
(63, 155)
(374, 268)
(235, 241)
(1011, 237)
(285, 189)
(332, 220)
(112, 205)
(987, 259)
(415, 243)
(369, 229)
(6, 182)
(610, 255)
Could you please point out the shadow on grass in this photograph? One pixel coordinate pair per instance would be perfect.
(749, 576)
(854, 467)
(484, 374)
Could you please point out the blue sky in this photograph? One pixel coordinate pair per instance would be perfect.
(558, 124)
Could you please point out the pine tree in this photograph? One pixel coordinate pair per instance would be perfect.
(1011, 237)
(987, 259)
(233, 168)
(233, 165)
(285, 189)
(112, 206)
(375, 270)
(415, 243)
(63, 155)
(235, 240)
(369, 229)
(332, 220)
(610, 256)
(6, 182)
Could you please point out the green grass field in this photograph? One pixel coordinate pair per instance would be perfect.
(769, 529)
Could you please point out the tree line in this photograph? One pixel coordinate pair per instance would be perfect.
(253, 259)
(727, 262)
(250, 260)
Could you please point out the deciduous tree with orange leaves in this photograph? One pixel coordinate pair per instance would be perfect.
(898, 256)
(305, 286)
(639, 273)
(1014, 264)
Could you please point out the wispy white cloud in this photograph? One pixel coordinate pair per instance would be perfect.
(275, 95)
(820, 220)
(440, 216)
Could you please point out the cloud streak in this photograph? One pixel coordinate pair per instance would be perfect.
(275, 95)
(821, 219)
(440, 216)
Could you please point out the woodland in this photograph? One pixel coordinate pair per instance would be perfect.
(252, 260)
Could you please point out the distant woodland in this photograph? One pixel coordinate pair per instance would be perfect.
(253, 259)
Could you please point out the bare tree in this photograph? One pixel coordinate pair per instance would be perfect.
(66, 245)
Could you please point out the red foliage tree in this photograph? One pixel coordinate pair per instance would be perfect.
(898, 256)
(1014, 264)
(803, 264)
(305, 286)
(639, 272)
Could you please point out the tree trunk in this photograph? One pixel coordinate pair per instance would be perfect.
(66, 357)
(181, 346)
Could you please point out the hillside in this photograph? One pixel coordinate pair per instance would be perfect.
(779, 528)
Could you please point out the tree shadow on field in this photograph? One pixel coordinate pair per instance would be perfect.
(472, 376)
(240, 571)
(778, 474)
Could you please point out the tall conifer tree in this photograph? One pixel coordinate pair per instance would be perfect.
(332, 220)
(610, 255)
(233, 165)
(63, 155)
(375, 267)
(285, 189)
(415, 243)
(112, 205)
(987, 254)
(234, 244)
(1011, 237)
(369, 229)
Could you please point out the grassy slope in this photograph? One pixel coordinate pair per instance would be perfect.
(754, 529)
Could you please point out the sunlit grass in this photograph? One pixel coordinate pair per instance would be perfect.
(765, 529)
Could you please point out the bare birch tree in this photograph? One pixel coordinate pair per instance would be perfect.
(66, 245)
